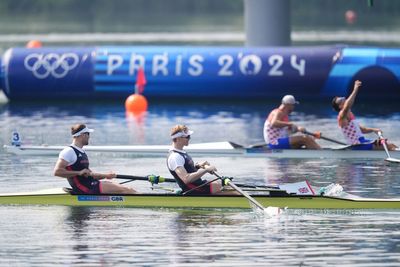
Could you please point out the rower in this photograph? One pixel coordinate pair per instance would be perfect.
(73, 164)
(351, 129)
(186, 173)
(277, 128)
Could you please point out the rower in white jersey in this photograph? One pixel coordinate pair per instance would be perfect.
(187, 174)
(277, 128)
(351, 129)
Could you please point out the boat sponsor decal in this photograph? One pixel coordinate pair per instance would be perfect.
(299, 188)
(101, 198)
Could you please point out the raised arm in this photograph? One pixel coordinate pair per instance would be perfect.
(350, 100)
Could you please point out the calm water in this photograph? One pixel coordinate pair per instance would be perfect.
(45, 236)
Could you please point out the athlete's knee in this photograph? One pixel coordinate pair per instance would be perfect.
(391, 146)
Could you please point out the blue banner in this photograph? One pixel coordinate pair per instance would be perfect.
(224, 72)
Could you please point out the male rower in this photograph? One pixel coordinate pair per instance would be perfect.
(351, 129)
(186, 173)
(277, 128)
(73, 164)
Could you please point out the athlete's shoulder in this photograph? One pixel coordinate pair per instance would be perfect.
(177, 154)
(67, 149)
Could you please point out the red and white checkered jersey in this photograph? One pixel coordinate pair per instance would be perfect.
(272, 134)
(351, 131)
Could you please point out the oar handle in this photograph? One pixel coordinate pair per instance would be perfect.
(154, 179)
(383, 142)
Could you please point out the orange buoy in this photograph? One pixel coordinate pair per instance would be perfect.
(34, 44)
(350, 16)
(136, 103)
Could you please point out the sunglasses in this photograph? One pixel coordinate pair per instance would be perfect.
(187, 137)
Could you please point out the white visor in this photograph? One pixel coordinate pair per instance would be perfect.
(289, 99)
(181, 134)
(84, 130)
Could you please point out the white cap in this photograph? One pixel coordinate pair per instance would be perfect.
(289, 99)
(181, 134)
(84, 130)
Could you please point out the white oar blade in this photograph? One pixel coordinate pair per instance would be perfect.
(273, 211)
(267, 212)
(393, 160)
(254, 204)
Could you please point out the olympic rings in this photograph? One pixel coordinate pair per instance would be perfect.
(52, 64)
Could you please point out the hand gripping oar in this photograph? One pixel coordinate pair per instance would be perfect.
(271, 211)
(383, 142)
(318, 135)
(154, 179)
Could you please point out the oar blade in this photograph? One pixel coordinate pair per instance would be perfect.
(254, 204)
(392, 160)
(273, 211)
(383, 142)
(266, 211)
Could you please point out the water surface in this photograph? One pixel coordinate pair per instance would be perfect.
(45, 236)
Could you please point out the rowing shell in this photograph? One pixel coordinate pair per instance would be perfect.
(215, 149)
(60, 197)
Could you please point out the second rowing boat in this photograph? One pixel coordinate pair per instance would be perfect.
(215, 149)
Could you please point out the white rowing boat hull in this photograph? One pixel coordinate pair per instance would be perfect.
(216, 149)
(207, 149)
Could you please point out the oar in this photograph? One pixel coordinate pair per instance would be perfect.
(383, 142)
(318, 135)
(258, 145)
(154, 179)
(197, 187)
(257, 186)
(270, 211)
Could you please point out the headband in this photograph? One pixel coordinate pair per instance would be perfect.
(181, 134)
(84, 130)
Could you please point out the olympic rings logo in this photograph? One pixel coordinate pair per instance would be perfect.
(52, 64)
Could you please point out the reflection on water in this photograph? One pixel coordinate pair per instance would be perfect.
(42, 235)
(161, 237)
(214, 121)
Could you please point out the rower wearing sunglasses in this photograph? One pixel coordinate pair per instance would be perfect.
(351, 129)
(187, 174)
(73, 164)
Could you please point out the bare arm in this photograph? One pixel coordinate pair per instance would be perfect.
(366, 130)
(191, 177)
(276, 120)
(349, 101)
(60, 170)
